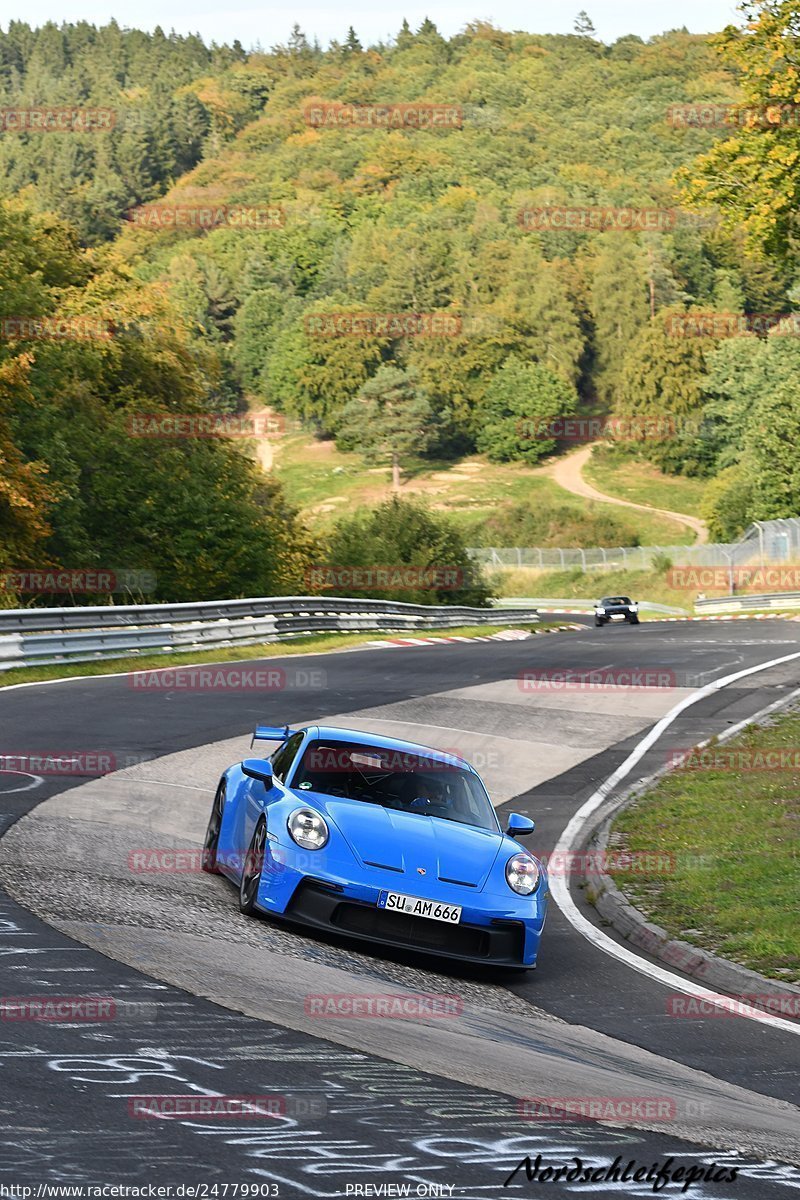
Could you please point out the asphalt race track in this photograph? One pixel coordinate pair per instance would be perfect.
(207, 1003)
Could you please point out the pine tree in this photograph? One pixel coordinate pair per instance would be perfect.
(619, 306)
(220, 298)
(583, 25)
(405, 37)
(390, 419)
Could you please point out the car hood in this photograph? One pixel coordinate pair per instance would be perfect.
(410, 843)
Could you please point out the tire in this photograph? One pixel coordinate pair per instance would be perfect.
(252, 869)
(633, 620)
(211, 843)
(598, 624)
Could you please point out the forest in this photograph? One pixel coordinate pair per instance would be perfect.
(430, 247)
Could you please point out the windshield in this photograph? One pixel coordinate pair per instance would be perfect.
(612, 600)
(397, 779)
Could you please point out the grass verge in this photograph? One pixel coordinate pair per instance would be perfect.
(731, 821)
(619, 474)
(314, 644)
(326, 484)
(590, 585)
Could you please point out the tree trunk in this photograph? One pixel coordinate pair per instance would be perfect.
(395, 473)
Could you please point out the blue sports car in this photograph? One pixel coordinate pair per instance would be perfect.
(382, 840)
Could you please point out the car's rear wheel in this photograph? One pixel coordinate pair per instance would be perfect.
(252, 869)
(211, 843)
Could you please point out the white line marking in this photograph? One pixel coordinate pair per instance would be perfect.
(560, 890)
(36, 780)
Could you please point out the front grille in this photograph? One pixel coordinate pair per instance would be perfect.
(320, 904)
(411, 931)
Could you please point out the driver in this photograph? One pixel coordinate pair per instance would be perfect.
(432, 794)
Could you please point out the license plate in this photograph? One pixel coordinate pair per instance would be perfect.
(618, 616)
(414, 907)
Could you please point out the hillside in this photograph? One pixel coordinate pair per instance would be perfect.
(418, 249)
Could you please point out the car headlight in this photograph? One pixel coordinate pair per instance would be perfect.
(599, 609)
(522, 874)
(633, 607)
(308, 829)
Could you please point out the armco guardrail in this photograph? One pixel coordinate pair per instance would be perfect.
(777, 600)
(40, 636)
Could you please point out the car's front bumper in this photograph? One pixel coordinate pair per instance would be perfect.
(503, 933)
(501, 942)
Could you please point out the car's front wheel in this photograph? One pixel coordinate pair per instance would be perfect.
(598, 623)
(252, 869)
(633, 620)
(211, 843)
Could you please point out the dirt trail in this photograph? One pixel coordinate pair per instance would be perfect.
(268, 426)
(568, 474)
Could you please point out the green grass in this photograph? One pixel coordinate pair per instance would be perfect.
(734, 834)
(590, 585)
(326, 483)
(314, 644)
(633, 479)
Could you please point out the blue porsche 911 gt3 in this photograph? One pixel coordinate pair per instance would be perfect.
(383, 840)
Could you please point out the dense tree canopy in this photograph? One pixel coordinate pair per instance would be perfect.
(399, 212)
(79, 487)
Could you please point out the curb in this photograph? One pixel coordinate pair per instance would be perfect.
(617, 911)
(505, 635)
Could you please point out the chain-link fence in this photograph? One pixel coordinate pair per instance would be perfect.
(763, 542)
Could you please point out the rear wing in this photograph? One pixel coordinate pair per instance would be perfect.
(270, 733)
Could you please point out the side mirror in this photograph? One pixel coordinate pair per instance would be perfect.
(258, 768)
(519, 826)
